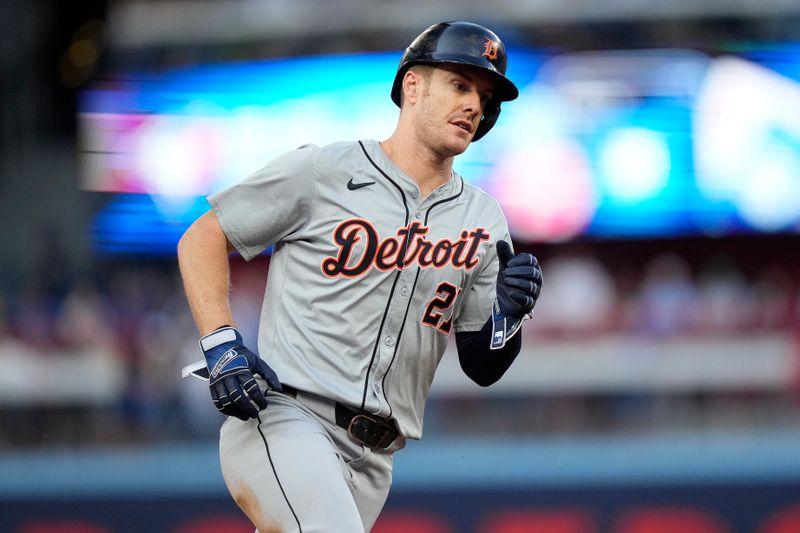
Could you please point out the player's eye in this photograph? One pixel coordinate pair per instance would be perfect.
(459, 85)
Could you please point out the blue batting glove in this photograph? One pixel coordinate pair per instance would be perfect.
(231, 370)
(519, 282)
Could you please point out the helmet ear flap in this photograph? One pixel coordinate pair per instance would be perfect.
(490, 116)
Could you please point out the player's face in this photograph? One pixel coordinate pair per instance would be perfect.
(451, 108)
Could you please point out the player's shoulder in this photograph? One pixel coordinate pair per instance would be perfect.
(333, 153)
(480, 199)
(301, 156)
(338, 158)
(322, 158)
(337, 149)
(484, 209)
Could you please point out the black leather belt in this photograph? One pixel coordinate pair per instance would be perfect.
(368, 429)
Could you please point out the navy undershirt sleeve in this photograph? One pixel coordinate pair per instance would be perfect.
(483, 365)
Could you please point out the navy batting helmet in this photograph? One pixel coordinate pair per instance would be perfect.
(462, 43)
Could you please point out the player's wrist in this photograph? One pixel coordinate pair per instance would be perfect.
(223, 350)
(218, 337)
(505, 327)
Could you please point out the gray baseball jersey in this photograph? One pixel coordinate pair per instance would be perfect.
(366, 279)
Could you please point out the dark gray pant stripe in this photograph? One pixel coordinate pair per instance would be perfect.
(275, 473)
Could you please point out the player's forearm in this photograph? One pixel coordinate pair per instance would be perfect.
(483, 365)
(203, 260)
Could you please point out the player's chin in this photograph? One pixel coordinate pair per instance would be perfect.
(459, 142)
(460, 148)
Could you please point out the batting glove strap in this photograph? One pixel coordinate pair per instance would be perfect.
(503, 327)
(224, 351)
(219, 336)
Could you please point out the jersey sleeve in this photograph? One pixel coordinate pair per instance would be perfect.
(271, 205)
(477, 306)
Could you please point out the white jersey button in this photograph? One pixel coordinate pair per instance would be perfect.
(404, 291)
(389, 341)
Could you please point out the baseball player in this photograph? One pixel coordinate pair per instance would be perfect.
(380, 251)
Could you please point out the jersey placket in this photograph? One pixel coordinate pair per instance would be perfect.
(391, 336)
(392, 329)
(399, 310)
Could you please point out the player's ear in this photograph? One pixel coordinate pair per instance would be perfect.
(412, 85)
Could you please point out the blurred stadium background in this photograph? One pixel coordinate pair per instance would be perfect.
(652, 162)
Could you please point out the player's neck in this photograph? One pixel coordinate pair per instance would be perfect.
(426, 168)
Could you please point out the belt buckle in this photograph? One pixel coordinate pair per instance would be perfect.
(365, 436)
(353, 421)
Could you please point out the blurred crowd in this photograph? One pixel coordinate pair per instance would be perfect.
(96, 358)
(667, 296)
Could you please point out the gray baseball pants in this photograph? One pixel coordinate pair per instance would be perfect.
(293, 470)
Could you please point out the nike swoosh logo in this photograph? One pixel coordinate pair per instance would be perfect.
(355, 186)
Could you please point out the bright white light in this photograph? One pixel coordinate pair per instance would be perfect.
(173, 158)
(248, 144)
(174, 153)
(740, 104)
(770, 200)
(635, 164)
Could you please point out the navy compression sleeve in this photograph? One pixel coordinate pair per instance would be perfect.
(483, 365)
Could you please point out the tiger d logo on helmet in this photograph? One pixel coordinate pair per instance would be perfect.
(462, 43)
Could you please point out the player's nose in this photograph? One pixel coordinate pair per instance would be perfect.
(471, 103)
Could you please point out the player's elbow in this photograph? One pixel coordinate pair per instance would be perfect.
(484, 381)
(480, 374)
